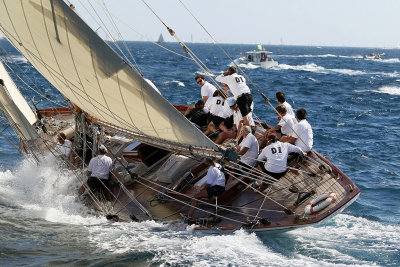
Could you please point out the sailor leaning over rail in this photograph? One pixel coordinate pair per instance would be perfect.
(99, 172)
(214, 186)
(240, 90)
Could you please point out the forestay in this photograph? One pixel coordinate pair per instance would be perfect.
(72, 57)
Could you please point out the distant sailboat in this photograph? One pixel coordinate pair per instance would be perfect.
(160, 39)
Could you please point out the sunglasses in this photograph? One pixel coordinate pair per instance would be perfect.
(199, 81)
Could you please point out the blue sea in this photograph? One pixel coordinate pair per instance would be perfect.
(353, 106)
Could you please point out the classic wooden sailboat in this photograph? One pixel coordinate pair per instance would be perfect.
(158, 154)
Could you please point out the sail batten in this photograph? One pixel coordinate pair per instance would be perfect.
(72, 57)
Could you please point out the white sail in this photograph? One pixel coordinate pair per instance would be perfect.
(71, 56)
(15, 108)
(15, 95)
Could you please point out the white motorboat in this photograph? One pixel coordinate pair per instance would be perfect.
(261, 58)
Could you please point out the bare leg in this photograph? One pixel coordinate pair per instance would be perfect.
(224, 135)
(202, 194)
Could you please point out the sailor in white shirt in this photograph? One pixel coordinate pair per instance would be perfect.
(63, 147)
(287, 124)
(99, 171)
(214, 186)
(237, 122)
(303, 137)
(275, 154)
(207, 89)
(218, 112)
(240, 90)
(248, 148)
(281, 99)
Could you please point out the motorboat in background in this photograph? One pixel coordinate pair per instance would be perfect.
(374, 55)
(259, 57)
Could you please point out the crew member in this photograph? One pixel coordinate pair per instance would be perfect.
(275, 154)
(214, 186)
(240, 90)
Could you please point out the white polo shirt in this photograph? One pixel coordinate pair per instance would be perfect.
(215, 176)
(288, 124)
(236, 83)
(100, 166)
(304, 135)
(207, 90)
(217, 107)
(64, 149)
(289, 109)
(250, 157)
(276, 156)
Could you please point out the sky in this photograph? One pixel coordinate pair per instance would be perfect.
(359, 23)
(355, 23)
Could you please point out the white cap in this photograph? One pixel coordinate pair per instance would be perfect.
(231, 101)
(102, 147)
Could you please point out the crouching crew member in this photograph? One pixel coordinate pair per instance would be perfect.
(275, 154)
(215, 184)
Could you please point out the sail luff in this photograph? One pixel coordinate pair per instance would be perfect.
(88, 72)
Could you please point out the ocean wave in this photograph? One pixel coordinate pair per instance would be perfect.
(338, 241)
(391, 90)
(319, 56)
(47, 191)
(387, 60)
(178, 83)
(354, 234)
(16, 59)
(187, 248)
(312, 67)
(390, 60)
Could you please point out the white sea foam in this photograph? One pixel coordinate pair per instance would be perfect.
(249, 66)
(319, 56)
(312, 67)
(345, 236)
(186, 248)
(391, 90)
(390, 60)
(334, 243)
(47, 191)
(16, 59)
(178, 83)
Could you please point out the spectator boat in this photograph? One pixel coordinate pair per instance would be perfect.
(259, 58)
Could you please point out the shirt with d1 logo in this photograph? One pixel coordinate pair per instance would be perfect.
(236, 83)
(276, 156)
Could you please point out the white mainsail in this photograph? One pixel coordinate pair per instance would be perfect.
(15, 108)
(72, 57)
